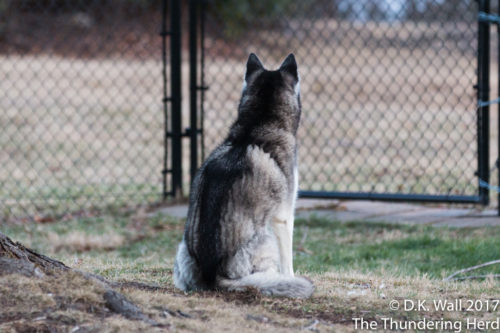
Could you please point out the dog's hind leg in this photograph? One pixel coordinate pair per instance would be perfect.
(265, 276)
(284, 235)
(283, 224)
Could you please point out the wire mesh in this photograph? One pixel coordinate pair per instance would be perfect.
(80, 105)
(387, 95)
(388, 104)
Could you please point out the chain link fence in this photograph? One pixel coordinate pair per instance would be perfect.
(387, 93)
(80, 105)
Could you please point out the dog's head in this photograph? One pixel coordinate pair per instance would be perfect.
(272, 95)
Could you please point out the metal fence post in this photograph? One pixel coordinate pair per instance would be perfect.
(166, 99)
(203, 87)
(497, 162)
(176, 95)
(483, 94)
(197, 86)
(193, 91)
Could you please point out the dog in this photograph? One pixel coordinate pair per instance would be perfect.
(239, 228)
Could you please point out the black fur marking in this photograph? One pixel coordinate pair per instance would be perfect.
(261, 109)
(219, 177)
(193, 214)
(253, 64)
(264, 110)
(290, 66)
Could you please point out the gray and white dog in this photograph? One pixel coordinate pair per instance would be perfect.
(239, 227)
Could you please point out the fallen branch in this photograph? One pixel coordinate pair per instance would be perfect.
(138, 285)
(118, 303)
(489, 263)
(474, 277)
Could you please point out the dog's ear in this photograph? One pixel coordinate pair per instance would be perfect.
(290, 66)
(253, 64)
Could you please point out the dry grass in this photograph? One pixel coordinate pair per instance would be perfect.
(70, 301)
(81, 242)
(357, 268)
(36, 304)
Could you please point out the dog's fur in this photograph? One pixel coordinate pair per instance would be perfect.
(240, 222)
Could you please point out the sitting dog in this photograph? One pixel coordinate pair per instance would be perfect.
(239, 228)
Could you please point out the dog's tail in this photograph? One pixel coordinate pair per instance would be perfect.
(270, 283)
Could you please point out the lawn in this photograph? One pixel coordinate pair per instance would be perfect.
(358, 269)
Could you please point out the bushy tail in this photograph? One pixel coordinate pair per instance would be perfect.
(271, 284)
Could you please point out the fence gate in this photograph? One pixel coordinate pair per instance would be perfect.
(389, 91)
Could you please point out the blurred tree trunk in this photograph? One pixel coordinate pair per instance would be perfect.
(15, 258)
(17, 255)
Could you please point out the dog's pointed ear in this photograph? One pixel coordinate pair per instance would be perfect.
(290, 66)
(253, 64)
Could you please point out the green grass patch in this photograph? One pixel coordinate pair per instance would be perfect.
(127, 245)
(399, 249)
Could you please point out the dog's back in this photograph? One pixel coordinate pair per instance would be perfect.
(248, 181)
